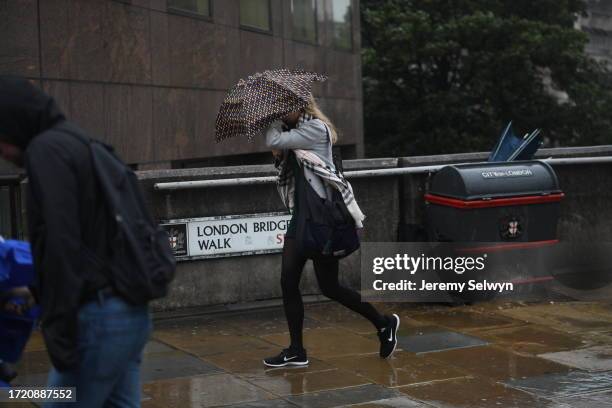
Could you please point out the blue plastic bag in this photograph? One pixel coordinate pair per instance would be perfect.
(16, 265)
(16, 270)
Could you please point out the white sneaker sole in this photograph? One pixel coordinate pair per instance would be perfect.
(288, 363)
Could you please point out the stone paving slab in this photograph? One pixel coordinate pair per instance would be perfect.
(474, 393)
(532, 339)
(329, 342)
(195, 325)
(292, 383)
(572, 317)
(18, 405)
(419, 330)
(588, 359)
(34, 362)
(557, 386)
(156, 347)
(497, 364)
(438, 341)
(465, 320)
(36, 342)
(206, 344)
(401, 369)
(397, 402)
(25, 379)
(249, 365)
(595, 400)
(596, 339)
(175, 364)
(346, 396)
(202, 391)
(267, 322)
(277, 403)
(38, 362)
(336, 315)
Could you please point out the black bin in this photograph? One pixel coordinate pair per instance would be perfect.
(494, 202)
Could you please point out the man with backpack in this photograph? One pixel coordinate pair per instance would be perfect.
(95, 269)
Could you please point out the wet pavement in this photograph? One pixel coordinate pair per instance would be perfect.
(555, 355)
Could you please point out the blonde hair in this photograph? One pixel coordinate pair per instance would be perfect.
(313, 110)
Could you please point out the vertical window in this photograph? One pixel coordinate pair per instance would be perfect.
(304, 17)
(342, 23)
(255, 14)
(201, 7)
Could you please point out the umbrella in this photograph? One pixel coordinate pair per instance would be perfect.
(254, 103)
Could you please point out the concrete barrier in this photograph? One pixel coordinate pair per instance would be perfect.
(393, 205)
(257, 277)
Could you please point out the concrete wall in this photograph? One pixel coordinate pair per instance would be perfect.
(250, 278)
(394, 207)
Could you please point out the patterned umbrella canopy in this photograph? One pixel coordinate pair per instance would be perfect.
(254, 103)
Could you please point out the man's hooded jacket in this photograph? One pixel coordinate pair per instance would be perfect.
(67, 217)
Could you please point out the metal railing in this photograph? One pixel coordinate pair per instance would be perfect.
(248, 181)
(10, 208)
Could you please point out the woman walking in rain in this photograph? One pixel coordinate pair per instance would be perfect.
(301, 141)
(302, 144)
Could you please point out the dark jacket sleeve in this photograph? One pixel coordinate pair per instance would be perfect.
(56, 246)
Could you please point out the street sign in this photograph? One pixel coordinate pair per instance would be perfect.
(232, 235)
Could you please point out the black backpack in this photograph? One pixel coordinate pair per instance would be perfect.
(140, 260)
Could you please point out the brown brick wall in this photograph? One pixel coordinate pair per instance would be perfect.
(150, 81)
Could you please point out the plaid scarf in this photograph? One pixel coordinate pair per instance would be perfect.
(307, 159)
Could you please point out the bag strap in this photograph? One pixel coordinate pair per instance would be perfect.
(99, 262)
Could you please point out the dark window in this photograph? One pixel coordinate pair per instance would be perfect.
(342, 23)
(201, 7)
(255, 14)
(304, 17)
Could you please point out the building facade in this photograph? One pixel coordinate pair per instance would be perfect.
(597, 23)
(148, 76)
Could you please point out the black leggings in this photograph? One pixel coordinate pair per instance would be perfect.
(327, 277)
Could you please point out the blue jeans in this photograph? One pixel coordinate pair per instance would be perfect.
(112, 335)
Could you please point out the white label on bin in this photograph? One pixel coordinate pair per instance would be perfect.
(507, 173)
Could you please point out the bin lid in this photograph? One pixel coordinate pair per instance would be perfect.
(478, 181)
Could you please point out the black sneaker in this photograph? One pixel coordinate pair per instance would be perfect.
(287, 357)
(388, 336)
